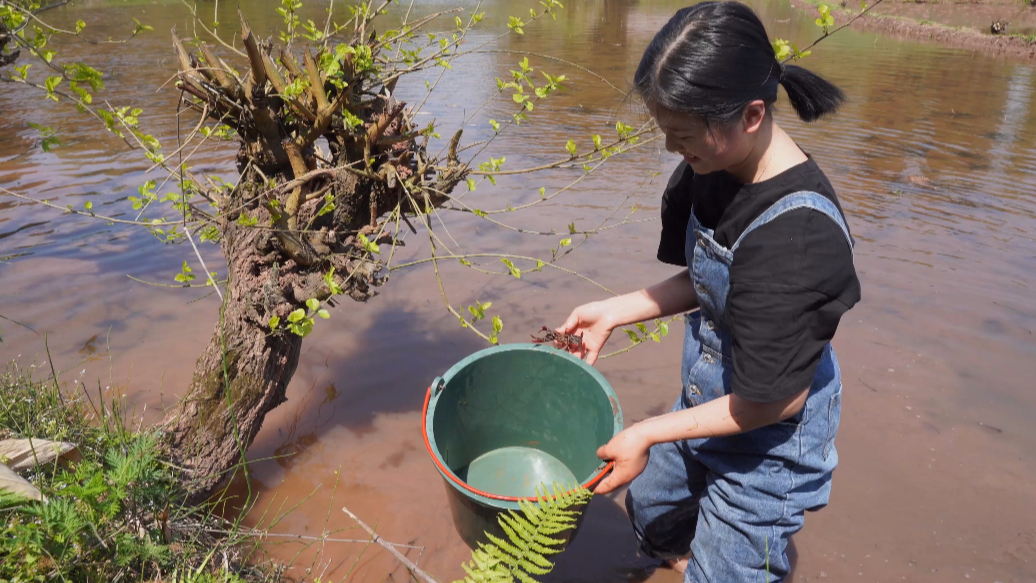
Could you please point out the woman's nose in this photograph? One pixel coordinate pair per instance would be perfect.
(670, 145)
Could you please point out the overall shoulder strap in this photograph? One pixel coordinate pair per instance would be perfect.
(797, 200)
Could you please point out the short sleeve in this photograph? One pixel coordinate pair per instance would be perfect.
(676, 213)
(791, 281)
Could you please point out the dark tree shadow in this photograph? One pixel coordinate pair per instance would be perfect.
(401, 353)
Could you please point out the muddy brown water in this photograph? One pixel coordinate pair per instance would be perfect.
(934, 159)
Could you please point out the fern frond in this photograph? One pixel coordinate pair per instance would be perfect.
(529, 537)
(524, 577)
(513, 553)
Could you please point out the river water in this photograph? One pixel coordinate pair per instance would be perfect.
(934, 158)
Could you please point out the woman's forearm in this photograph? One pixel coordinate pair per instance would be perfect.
(666, 298)
(727, 415)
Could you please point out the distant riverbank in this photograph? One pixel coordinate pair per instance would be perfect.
(964, 25)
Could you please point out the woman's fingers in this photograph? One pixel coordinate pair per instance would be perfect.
(619, 476)
(590, 356)
(570, 325)
(629, 451)
(606, 485)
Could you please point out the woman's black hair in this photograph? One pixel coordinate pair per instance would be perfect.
(714, 58)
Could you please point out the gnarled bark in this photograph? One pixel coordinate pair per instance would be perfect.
(242, 374)
(281, 249)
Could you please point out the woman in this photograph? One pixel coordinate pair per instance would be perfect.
(720, 483)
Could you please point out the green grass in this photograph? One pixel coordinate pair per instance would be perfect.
(115, 515)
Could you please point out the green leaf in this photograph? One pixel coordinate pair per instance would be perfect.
(296, 316)
(47, 138)
(781, 49)
(185, 276)
(510, 267)
(329, 279)
(51, 84)
(495, 125)
(80, 25)
(571, 147)
(274, 321)
(516, 24)
(663, 328)
(597, 141)
(323, 313)
(566, 242)
(634, 338)
(498, 324)
(89, 206)
(572, 228)
(328, 206)
(640, 326)
(313, 304)
(471, 184)
(623, 130)
(368, 245)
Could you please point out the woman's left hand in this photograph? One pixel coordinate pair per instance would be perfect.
(630, 451)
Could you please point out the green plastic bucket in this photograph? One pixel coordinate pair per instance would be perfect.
(508, 418)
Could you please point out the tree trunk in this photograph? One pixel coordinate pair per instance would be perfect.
(242, 374)
(300, 231)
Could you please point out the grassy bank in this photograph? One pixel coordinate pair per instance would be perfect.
(117, 514)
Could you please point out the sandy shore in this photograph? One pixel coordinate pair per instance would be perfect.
(953, 24)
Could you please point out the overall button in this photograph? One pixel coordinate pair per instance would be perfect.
(708, 358)
(694, 389)
(710, 324)
(699, 288)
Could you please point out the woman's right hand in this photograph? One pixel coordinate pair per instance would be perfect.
(591, 322)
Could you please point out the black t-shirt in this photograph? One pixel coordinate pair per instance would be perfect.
(790, 281)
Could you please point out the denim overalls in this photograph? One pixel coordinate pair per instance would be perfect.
(733, 502)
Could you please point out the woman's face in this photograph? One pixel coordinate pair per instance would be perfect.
(722, 148)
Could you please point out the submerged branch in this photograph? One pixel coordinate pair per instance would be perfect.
(414, 569)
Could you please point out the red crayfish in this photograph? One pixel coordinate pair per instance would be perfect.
(560, 340)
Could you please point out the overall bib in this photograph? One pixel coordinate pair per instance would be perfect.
(733, 502)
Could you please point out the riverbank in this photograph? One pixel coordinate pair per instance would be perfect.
(963, 25)
(116, 512)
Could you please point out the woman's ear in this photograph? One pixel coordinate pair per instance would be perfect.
(753, 116)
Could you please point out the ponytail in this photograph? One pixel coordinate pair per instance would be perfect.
(810, 95)
(714, 58)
